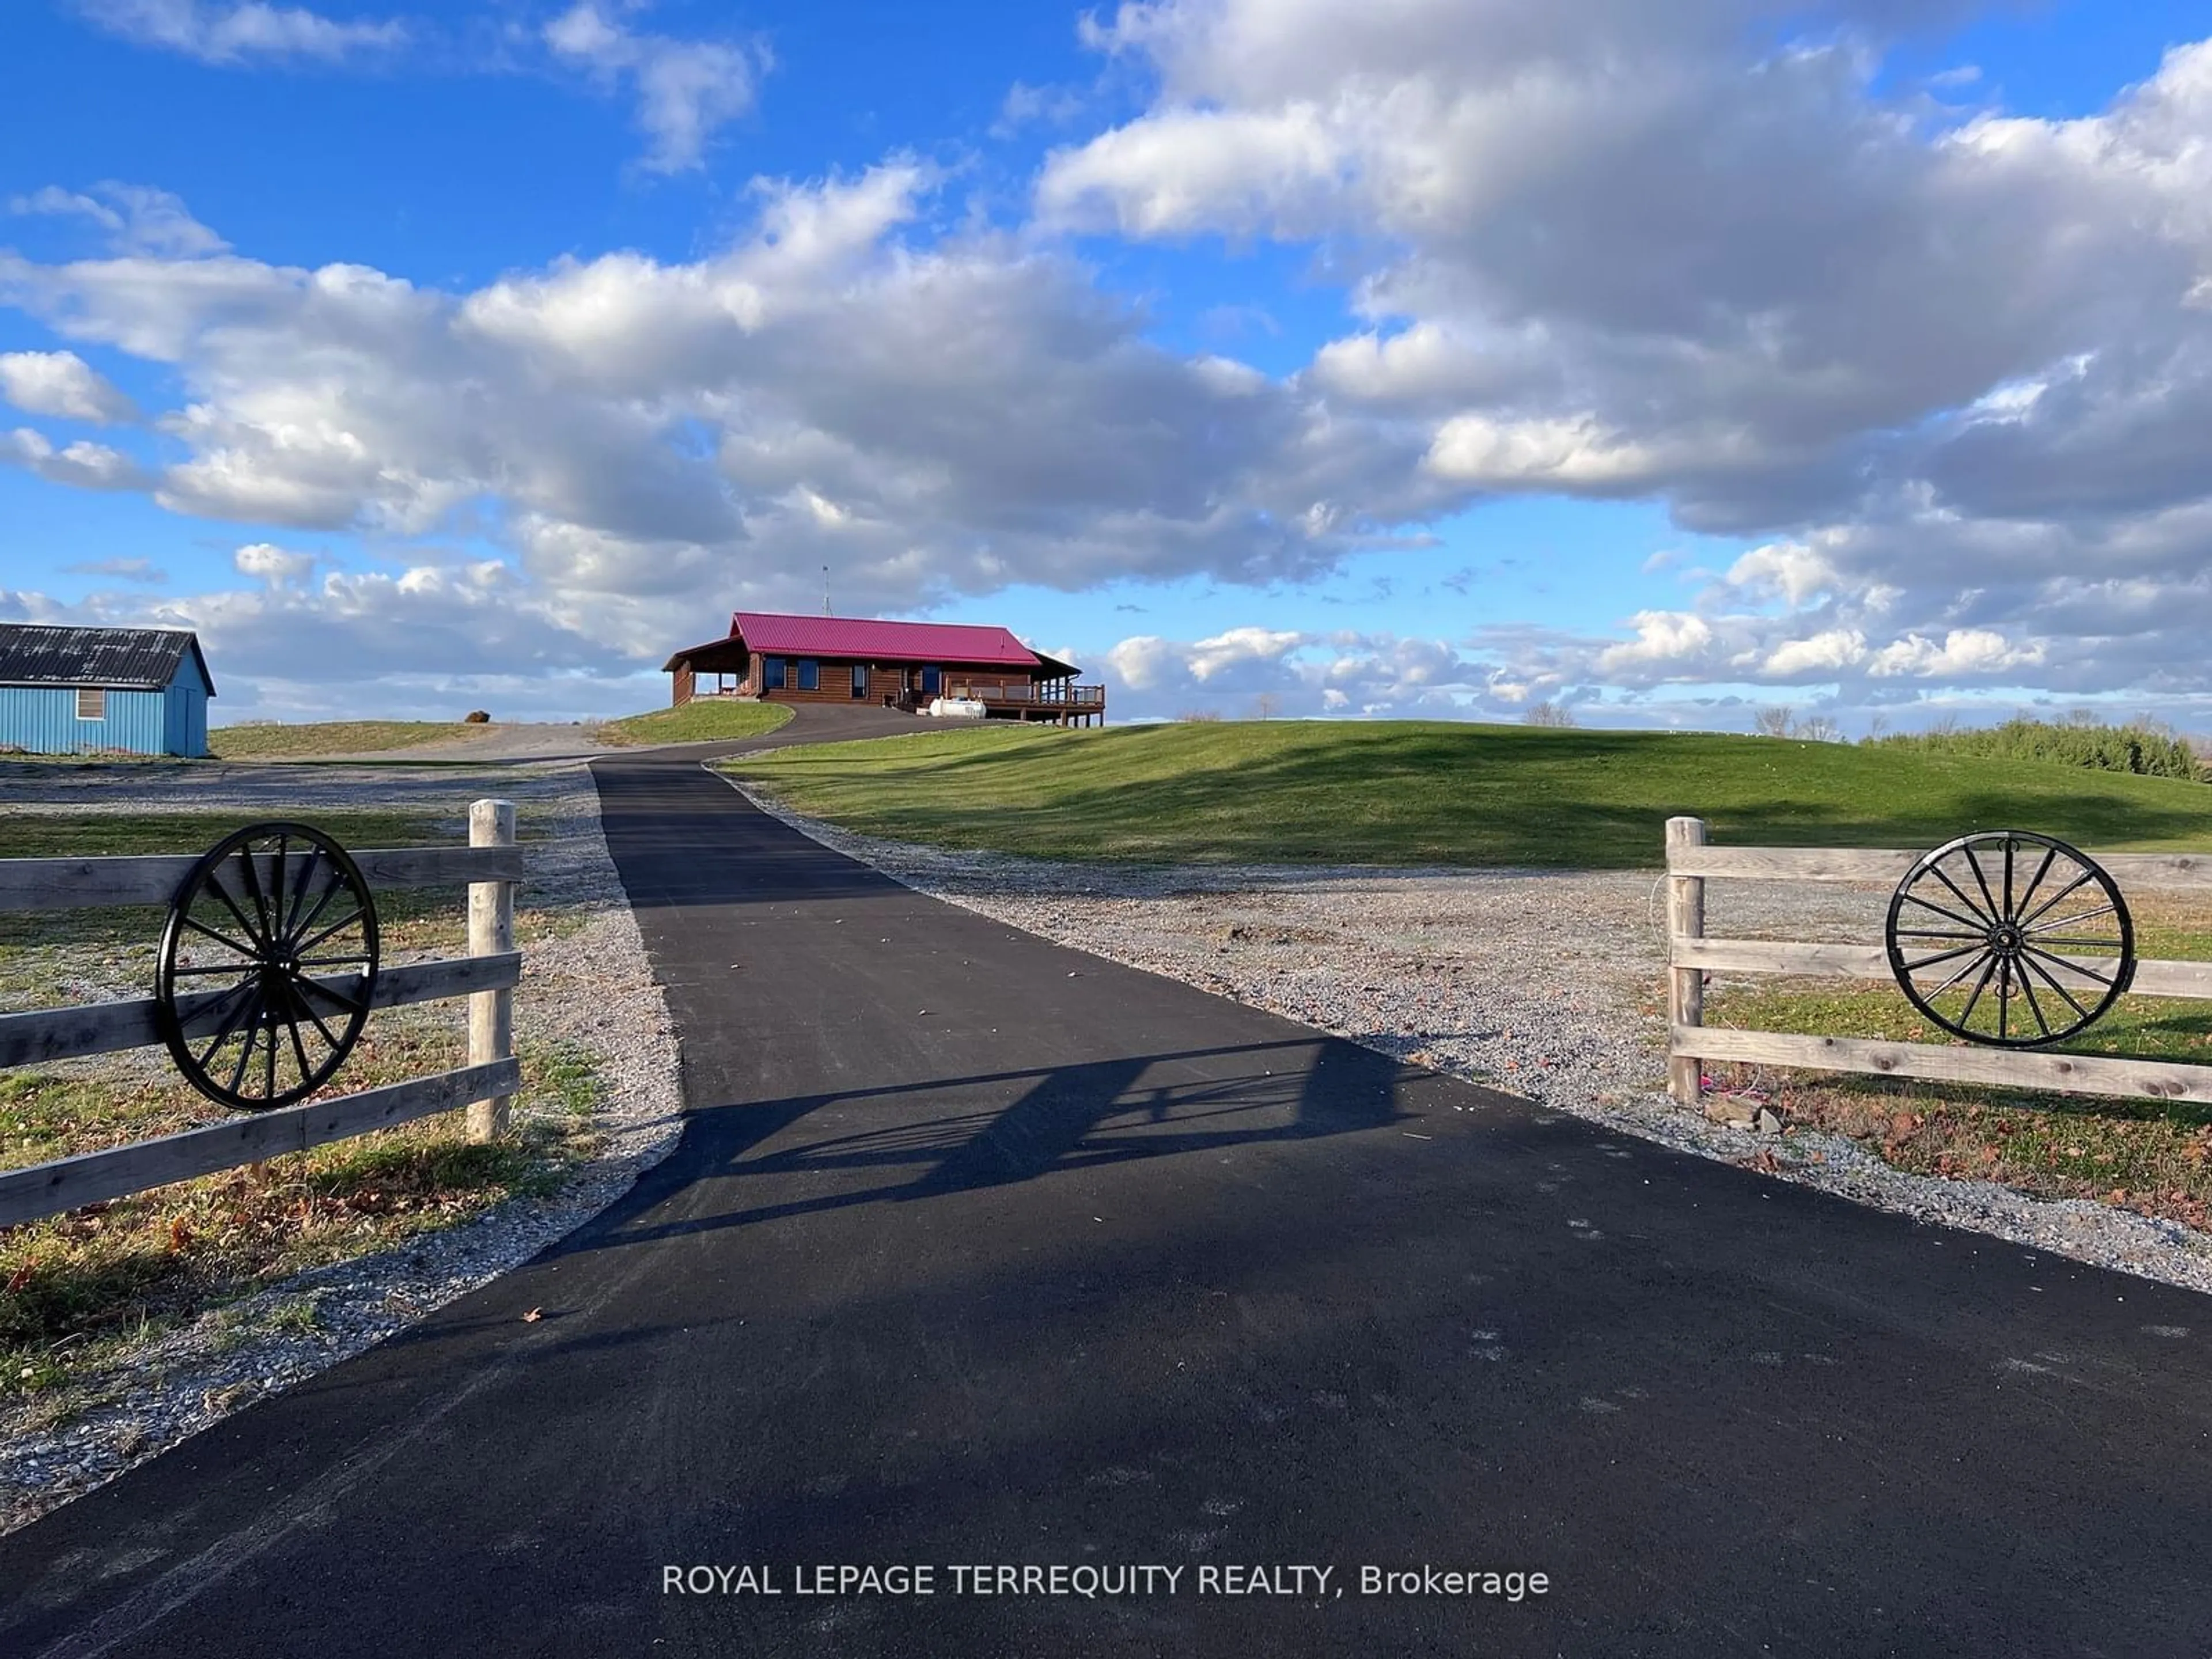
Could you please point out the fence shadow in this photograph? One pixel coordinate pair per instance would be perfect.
(948, 1136)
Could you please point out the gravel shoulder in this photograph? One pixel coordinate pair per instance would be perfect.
(1544, 983)
(593, 986)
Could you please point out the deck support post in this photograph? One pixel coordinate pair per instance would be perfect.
(1686, 987)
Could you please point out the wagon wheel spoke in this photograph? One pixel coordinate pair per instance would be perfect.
(289, 997)
(1967, 1014)
(307, 868)
(2027, 989)
(2068, 921)
(244, 1011)
(1980, 927)
(1975, 916)
(338, 884)
(298, 1009)
(2028, 961)
(245, 1051)
(1940, 932)
(1982, 881)
(324, 988)
(310, 1014)
(2073, 963)
(277, 873)
(206, 1002)
(309, 943)
(1956, 977)
(2050, 858)
(199, 927)
(252, 933)
(250, 874)
(2058, 897)
(1963, 951)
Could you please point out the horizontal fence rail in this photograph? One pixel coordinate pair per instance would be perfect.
(1691, 862)
(103, 1028)
(2166, 870)
(82, 884)
(489, 867)
(2152, 978)
(2065, 1074)
(93, 1177)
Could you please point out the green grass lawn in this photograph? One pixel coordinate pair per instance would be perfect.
(700, 721)
(330, 738)
(1412, 791)
(2152, 1156)
(111, 835)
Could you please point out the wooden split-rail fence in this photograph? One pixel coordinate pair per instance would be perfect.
(1692, 862)
(490, 865)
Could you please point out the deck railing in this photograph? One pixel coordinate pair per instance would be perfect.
(1050, 694)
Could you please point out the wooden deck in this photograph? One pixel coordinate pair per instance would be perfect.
(1057, 701)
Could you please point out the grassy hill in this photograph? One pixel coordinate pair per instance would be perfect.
(696, 722)
(275, 741)
(1443, 793)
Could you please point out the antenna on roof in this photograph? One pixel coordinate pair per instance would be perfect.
(825, 591)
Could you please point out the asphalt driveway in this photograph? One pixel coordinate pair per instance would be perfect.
(980, 1254)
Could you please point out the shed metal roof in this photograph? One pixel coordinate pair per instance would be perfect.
(123, 659)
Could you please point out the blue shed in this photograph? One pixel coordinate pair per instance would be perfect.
(85, 690)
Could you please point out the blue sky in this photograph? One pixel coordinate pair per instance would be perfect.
(1228, 349)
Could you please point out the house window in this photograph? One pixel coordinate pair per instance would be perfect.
(810, 674)
(932, 682)
(771, 673)
(91, 702)
(860, 679)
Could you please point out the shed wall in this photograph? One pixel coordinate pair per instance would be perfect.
(184, 717)
(42, 719)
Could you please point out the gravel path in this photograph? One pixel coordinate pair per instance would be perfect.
(1545, 983)
(593, 986)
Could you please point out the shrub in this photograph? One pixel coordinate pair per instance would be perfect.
(2140, 746)
(475, 717)
(1548, 714)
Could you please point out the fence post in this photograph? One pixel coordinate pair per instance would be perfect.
(491, 933)
(1686, 987)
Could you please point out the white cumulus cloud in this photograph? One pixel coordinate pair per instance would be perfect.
(1964, 651)
(686, 91)
(61, 384)
(243, 30)
(83, 465)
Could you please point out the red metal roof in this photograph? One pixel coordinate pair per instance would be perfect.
(904, 641)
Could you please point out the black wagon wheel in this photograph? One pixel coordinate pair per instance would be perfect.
(2011, 939)
(267, 966)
